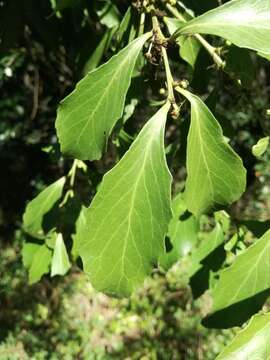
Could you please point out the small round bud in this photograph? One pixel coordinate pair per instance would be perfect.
(162, 91)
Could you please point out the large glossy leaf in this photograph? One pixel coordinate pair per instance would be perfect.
(246, 277)
(60, 260)
(246, 23)
(265, 56)
(252, 342)
(215, 173)
(40, 263)
(39, 206)
(122, 234)
(87, 116)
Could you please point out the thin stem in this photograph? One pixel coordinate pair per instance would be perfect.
(180, 90)
(208, 47)
(77, 164)
(175, 12)
(169, 77)
(72, 173)
(156, 26)
(211, 50)
(142, 21)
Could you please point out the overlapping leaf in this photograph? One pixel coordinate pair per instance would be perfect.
(210, 242)
(40, 263)
(246, 23)
(261, 146)
(38, 207)
(215, 173)
(246, 277)
(189, 46)
(60, 260)
(122, 233)
(182, 233)
(28, 251)
(252, 342)
(87, 116)
(97, 54)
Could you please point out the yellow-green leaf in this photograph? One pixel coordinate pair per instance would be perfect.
(261, 146)
(60, 260)
(250, 343)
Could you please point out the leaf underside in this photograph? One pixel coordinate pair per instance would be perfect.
(122, 234)
(215, 173)
(86, 117)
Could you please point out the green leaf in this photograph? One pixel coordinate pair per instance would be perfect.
(252, 342)
(183, 228)
(109, 15)
(60, 260)
(80, 224)
(265, 56)
(39, 206)
(87, 116)
(122, 235)
(129, 109)
(215, 173)
(124, 25)
(189, 46)
(246, 277)
(50, 239)
(210, 242)
(246, 23)
(189, 49)
(261, 146)
(40, 264)
(183, 233)
(28, 251)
